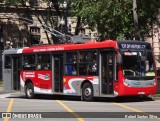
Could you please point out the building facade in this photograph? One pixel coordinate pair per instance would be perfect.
(154, 40)
(15, 32)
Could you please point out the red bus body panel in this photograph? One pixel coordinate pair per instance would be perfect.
(42, 80)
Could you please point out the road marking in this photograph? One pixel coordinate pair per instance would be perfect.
(9, 109)
(133, 109)
(70, 110)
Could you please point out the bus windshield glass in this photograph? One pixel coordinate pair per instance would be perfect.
(138, 64)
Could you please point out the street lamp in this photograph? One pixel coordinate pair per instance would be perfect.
(65, 4)
(65, 23)
(65, 17)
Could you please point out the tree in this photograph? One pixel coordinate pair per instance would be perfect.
(135, 19)
(106, 15)
(114, 18)
(147, 13)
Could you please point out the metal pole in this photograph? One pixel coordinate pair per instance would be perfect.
(65, 18)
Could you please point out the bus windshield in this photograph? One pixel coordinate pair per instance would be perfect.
(138, 64)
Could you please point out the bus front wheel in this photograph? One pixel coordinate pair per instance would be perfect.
(29, 91)
(87, 92)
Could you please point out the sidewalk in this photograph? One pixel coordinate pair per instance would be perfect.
(1, 89)
(156, 97)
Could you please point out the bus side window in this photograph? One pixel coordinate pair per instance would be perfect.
(46, 67)
(92, 69)
(68, 69)
(82, 69)
(39, 66)
(43, 62)
(29, 62)
(7, 63)
(87, 63)
(71, 63)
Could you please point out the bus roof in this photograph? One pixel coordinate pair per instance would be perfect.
(61, 47)
(13, 51)
(122, 45)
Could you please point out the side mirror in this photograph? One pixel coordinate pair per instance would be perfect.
(143, 58)
(119, 59)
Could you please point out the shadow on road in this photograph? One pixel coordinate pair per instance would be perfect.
(77, 98)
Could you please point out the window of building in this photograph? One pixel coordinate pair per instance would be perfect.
(28, 62)
(43, 62)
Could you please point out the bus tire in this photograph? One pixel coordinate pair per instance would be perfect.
(29, 91)
(87, 92)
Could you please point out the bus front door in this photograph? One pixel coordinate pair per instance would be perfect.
(106, 72)
(57, 82)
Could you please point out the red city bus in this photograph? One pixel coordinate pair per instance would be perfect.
(93, 69)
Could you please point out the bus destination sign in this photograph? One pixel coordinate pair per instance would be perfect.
(132, 46)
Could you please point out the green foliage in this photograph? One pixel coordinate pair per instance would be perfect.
(13, 2)
(147, 12)
(120, 37)
(114, 18)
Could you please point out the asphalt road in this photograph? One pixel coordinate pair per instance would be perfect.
(64, 108)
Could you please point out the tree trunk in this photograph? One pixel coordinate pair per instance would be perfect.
(43, 28)
(135, 19)
(78, 25)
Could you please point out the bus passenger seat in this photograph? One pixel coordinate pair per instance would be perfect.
(68, 70)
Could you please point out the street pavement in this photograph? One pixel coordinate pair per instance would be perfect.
(69, 108)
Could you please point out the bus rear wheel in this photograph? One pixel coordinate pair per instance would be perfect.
(29, 91)
(87, 92)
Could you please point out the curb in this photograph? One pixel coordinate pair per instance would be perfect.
(4, 92)
(155, 98)
(1, 89)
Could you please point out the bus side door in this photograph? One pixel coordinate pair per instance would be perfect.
(107, 65)
(57, 67)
